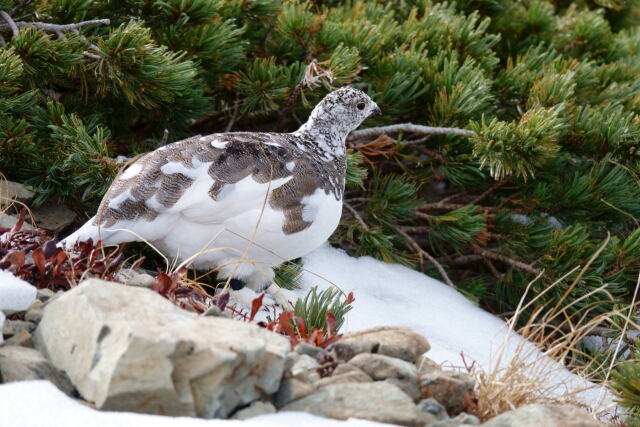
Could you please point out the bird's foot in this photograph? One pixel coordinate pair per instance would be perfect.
(280, 297)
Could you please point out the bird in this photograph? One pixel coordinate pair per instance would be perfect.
(240, 202)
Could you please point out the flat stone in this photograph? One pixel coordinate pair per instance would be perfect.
(544, 415)
(254, 410)
(13, 327)
(26, 364)
(380, 401)
(454, 390)
(129, 349)
(355, 376)
(14, 191)
(397, 371)
(53, 216)
(394, 341)
(292, 389)
(8, 221)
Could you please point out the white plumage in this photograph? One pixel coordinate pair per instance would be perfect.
(242, 202)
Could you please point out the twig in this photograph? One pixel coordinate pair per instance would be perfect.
(452, 206)
(499, 276)
(45, 26)
(422, 253)
(355, 215)
(514, 263)
(409, 128)
(489, 190)
(483, 253)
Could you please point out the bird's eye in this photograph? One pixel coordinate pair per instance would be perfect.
(360, 106)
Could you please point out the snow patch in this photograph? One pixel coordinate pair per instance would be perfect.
(55, 409)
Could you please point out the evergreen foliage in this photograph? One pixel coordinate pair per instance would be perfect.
(549, 88)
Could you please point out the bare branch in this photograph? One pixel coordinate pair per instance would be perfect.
(355, 215)
(453, 206)
(422, 253)
(494, 187)
(503, 258)
(10, 24)
(487, 254)
(408, 128)
(45, 26)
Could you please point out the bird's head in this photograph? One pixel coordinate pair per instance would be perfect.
(338, 114)
(347, 106)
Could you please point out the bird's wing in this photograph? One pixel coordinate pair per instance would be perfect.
(210, 179)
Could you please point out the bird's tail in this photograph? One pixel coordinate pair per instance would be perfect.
(93, 232)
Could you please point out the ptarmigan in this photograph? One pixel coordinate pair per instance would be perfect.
(243, 201)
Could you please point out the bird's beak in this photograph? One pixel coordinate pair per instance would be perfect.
(376, 111)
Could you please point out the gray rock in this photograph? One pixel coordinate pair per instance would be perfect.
(345, 368)
(292, 389)
(35, 311)
(129, 349)
(394, 341)
(25, 364)
(461, 420)
(254, 410)
(8, 221)
(53, 216)
(399, 372)
(355, 376)
(309, 350)
(544, 415)
(14, 327)
(305, 369)
(10, 191)
(452, 389)
(381, 401)
(433, 407)
(45, 294)
(142, 280)
(426, 366)
(213, 311)
(22, 339)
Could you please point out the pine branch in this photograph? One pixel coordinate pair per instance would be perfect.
(408, 128)
(45, 26)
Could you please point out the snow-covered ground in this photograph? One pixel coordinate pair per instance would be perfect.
(385, 295)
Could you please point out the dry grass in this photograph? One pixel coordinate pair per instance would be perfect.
(536, 374)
